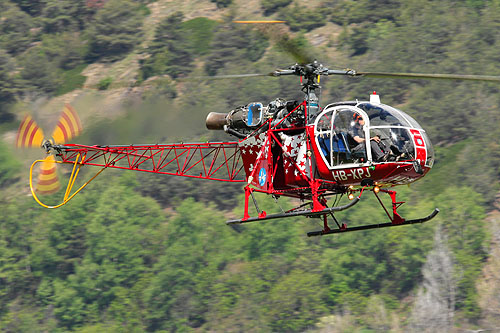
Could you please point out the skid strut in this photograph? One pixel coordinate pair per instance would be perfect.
(395, 218)
(307, 212)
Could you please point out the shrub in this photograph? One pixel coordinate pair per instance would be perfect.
(271, 6)
(104, 83)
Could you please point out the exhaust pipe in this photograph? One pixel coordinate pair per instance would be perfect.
(216, 121)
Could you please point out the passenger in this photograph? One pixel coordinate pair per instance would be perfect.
(401, 143)
(358, 134)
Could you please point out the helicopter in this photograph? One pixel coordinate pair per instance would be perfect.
(290, 148)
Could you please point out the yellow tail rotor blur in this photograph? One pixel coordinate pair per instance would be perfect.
(48, 182)
(31, 135)
(68, 126)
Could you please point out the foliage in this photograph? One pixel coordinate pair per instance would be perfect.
(160, 89)
(8, 85)
(15, 37)
(271, 6)
(9, 166)
(170, 51)
(115, 31)
(62, 15)
(38, 73)
(299, 290)
(16, 238)
(104, 83)
(175, 44)
(234, 43)
(395, 255)
(108, 256)
(199, 32)
(191, 256)
(33, 8)
(363, 11)
(72, 79)
(66, 50)
(222, 3)
(169, 191)
(81, 259)
(302, 18)
(467, 237)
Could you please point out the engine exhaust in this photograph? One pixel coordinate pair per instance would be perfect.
(216, 121)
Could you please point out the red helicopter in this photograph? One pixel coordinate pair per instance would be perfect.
(294, 149)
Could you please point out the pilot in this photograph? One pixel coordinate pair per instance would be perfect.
(358, 134)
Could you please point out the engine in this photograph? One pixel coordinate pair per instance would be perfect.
(247, 118)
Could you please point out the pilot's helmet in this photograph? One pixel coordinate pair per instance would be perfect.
(357, 117)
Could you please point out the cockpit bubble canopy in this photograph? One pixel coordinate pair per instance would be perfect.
(400, 135)
(385, 115)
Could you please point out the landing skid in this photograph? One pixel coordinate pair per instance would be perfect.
(317, 208)
(307, 212)
(373, 226)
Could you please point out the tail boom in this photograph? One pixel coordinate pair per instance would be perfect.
(219, 161)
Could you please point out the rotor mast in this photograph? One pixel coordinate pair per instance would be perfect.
(310, 74)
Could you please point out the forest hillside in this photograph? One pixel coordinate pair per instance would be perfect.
(138, 252)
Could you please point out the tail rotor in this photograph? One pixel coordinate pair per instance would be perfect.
(31, 135)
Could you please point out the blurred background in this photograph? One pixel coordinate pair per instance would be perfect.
(138, 252)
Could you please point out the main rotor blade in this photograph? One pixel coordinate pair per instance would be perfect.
(293, 47)
(259, 22)
(300, 53)
(428, 76)
(233, 76)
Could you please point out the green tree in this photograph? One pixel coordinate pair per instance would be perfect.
(30, 7)
(60, 16)
(349, 12)
(271, 6)
(302, 18)
(38, 72)
(67, 50)
(198, 245)
(17, 279)
(269, 239)
(15, 37)
(464, 225)
(222, 3)
(199, 31)
(115, 31)
(385, 261)
(88, 255)
(8, 85)
(170, 50)
(234, 43)
(296, 301)
(9, 166)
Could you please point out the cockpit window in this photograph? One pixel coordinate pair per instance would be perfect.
(334, 136)
(383, 115)
(412, 121)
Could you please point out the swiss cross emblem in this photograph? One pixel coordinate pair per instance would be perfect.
(262, 177)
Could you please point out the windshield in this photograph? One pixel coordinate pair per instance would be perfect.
(384, 115)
